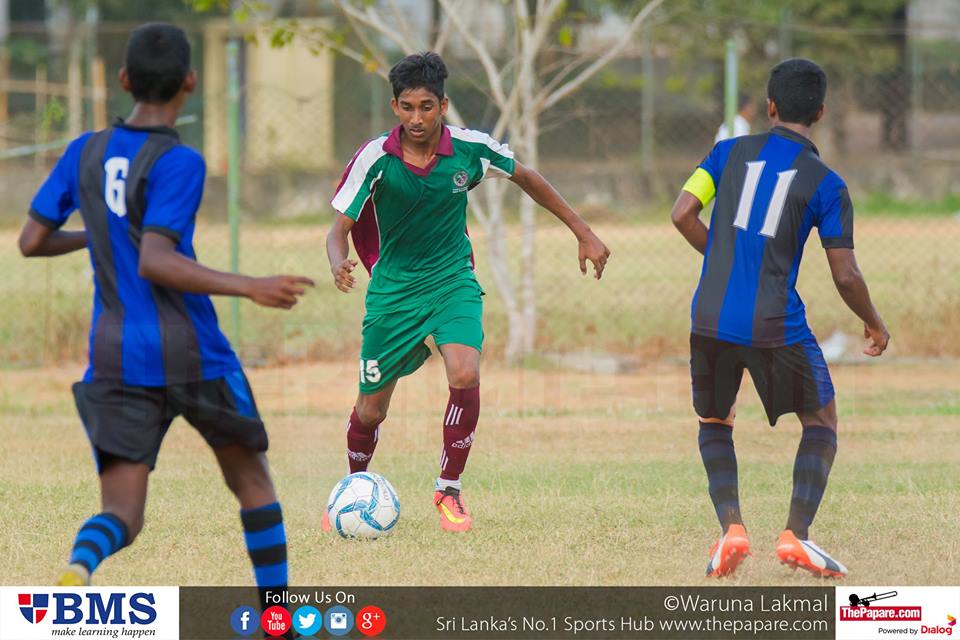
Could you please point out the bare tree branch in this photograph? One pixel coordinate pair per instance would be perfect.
(479, 213)
(324, 39)
(567, 70)
(404, 26)
(371, 48)
(523, 15)
(372, 19)
(545, 18)
(545, 100)
(483, 54)
(442, 37)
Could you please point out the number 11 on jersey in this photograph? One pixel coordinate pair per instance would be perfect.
(771, 221)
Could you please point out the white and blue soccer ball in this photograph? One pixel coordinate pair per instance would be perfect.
(363, 505)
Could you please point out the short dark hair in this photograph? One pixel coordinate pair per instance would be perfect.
(742, 101)
(798, 87)
(158, 61)
(419, 70)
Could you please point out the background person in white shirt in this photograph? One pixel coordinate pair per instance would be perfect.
(746, 111)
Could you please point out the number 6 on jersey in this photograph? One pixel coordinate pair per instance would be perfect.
(115, 190)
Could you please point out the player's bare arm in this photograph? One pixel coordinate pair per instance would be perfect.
(163, 265)
(37, 240)
(853, 289)
(543, 193)
(338, 250)
(686, 218)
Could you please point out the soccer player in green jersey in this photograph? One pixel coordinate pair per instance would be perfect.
(403, 198)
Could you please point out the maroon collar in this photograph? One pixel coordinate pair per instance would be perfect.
(392, 145)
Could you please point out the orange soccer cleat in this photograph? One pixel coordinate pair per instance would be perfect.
(728, 552)
(804, 554)
(453, 514)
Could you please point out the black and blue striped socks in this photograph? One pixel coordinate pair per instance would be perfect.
(266, 541)
(101, 536)
(818, 447)
(720, 461)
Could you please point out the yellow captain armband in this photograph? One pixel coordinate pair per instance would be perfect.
(701, 185)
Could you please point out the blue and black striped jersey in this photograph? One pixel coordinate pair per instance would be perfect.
(126, 180)
(772, 189)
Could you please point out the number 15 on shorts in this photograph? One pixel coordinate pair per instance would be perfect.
(369, 371)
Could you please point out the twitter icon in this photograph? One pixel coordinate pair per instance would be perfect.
(307, 620)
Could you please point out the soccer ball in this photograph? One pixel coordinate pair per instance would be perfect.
(363, 505)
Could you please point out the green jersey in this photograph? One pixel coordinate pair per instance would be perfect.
(411, 223)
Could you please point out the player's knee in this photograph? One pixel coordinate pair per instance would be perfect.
(371, 413)
(826, 416)
(464, 378)
(727, 421)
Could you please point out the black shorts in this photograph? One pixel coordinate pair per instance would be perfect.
(130, 422)
(789, 379)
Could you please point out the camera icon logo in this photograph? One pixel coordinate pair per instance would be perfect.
(338, 620)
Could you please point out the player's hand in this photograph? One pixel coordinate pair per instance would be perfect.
(879, 338)
(592, 249)
(342, 275)
(280, 292)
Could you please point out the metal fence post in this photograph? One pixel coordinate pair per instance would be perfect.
(647, 99)
(233, 172)
(730, 86)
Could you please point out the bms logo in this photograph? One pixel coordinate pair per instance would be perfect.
(90, 608)
(33, 606)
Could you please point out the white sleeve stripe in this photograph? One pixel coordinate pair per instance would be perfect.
(479, 137)
(362, 164)
(500, 173)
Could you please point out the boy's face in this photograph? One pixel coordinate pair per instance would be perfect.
(420, 112)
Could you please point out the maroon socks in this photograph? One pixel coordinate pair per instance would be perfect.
(459, 424)
(361, 442)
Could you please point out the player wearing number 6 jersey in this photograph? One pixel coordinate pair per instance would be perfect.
(156, 350)
(771, 190)
(403, 198)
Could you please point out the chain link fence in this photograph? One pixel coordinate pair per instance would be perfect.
(619, 149)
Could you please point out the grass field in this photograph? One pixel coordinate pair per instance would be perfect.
(576, 479)
(640, 308)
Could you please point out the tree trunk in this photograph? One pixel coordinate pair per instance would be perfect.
(528, 219)
(498, 257)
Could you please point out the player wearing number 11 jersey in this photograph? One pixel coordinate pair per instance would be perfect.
(771, 191)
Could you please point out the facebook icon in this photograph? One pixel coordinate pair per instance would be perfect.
(244, 620)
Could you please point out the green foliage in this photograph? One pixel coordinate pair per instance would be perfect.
(202, 6)
(860, 33)
(27, 52)
(281, 36)
(54, 114)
